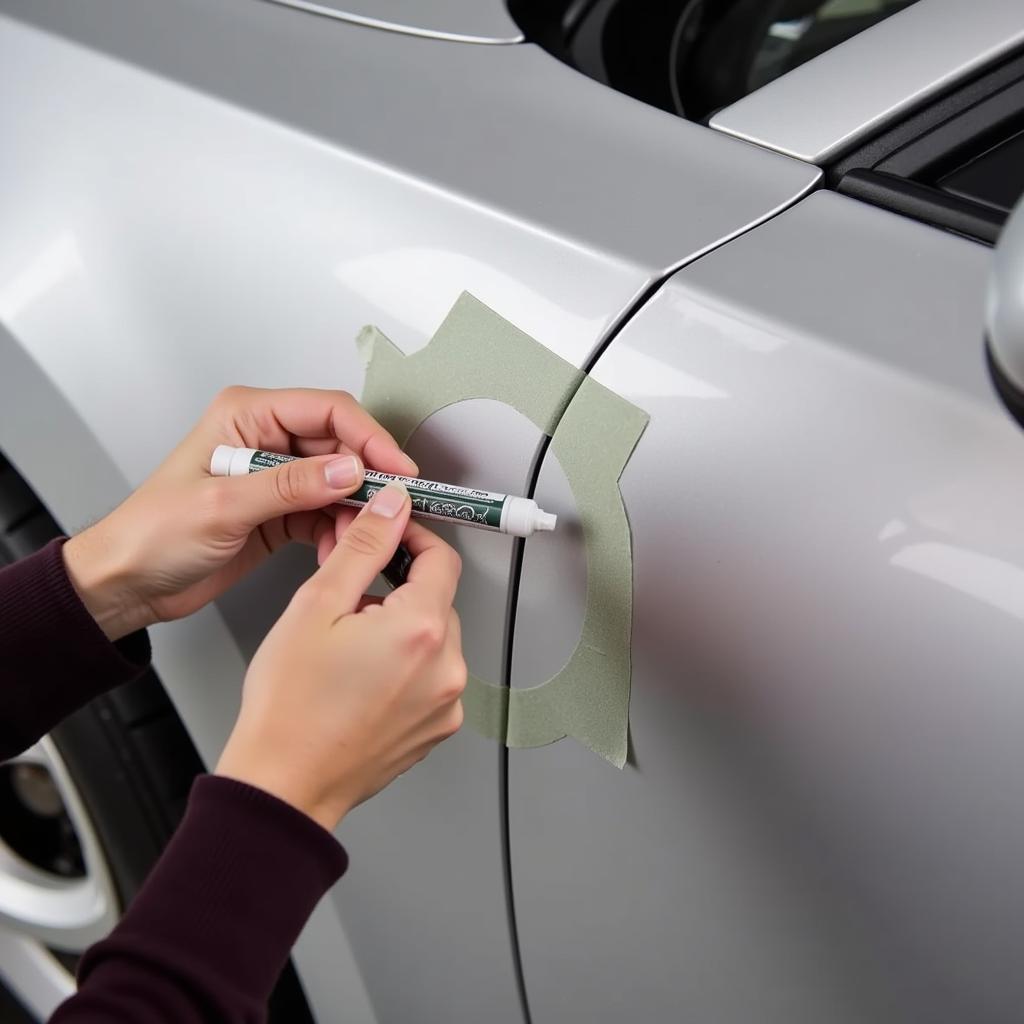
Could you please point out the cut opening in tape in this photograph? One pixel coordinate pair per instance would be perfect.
(478, 354)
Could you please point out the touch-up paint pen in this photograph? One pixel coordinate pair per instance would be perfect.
(465, 506)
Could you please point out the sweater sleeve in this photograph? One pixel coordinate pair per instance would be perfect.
(209, 932)
(53, 656)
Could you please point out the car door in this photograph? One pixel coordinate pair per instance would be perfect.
(821, 816)
(200, 193)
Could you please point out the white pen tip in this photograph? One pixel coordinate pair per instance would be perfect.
(544, 520)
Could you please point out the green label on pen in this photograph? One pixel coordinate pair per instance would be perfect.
(267, 460)
(432, 500)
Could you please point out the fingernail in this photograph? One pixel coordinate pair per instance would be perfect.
(389, 500)
(344, 472)
(414, 470)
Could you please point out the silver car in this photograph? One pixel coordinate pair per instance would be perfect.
(768, 224)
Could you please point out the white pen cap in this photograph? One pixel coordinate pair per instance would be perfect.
(229, 461)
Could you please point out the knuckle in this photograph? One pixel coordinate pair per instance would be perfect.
(453, 720)
(231, 395)
(455, 682)
(302, 601)
(311, 597)
(307, 595)
(289, 483)
(360, 539)
(456, 561)
(427, 634)
(341, 405)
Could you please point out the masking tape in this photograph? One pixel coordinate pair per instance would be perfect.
(478, 354)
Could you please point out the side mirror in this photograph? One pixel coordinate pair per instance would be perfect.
(1004, 315)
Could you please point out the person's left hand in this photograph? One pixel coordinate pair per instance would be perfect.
(184, 536)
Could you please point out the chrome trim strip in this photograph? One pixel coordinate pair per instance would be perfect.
(392, 26)
(845, 94)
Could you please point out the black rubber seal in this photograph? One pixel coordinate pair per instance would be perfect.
(923, 203)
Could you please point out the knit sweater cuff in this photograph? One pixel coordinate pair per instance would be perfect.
(229, 896)
(55, 657)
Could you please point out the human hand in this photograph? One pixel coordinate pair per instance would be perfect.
(184, 536)
(346, 692)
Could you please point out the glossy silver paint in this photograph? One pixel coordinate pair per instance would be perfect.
(201, 191)
(824, 818)
(502, 136)
(848, 92)
(460, 21)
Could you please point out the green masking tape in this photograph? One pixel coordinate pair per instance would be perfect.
(478, 354)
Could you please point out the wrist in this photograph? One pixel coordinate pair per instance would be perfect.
(280, 782)
(103, 582)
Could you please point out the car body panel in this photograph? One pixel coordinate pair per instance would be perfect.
(840, 97)
(462, 21)
(181, 217)
(505, 134)
(822, 820)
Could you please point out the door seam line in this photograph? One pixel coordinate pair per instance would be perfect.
(639, 300)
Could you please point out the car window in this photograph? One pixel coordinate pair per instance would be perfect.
(694, 56)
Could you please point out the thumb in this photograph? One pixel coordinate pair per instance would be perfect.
(366, 546)
(299, 486)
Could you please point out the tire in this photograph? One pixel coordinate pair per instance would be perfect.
(122, 765)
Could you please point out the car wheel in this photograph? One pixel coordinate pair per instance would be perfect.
(85, 812)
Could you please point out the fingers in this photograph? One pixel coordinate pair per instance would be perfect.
(433, 575)
(343, 518)
(306, 446)
(299, 486)
(364, 549)
(299, 527)
(455, 631)
(447, 682)
(267, 418)
(325, 544)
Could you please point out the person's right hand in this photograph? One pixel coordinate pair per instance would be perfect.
(346, 692)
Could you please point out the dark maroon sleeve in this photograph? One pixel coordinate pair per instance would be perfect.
(209, 932)
(53, 656)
